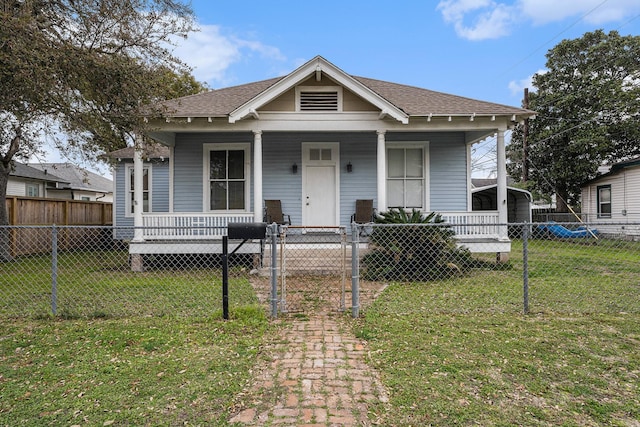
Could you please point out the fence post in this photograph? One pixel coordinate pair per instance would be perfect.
(54, 269)
(274, 270)
(525, 266)
(355, 271)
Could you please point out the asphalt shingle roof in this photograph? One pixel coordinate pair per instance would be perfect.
(412, 100)
(78, 178)
(25, 171)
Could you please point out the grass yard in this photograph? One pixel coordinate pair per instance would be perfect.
(100, 284)
(134, 371)
(459, 351)
(150, 349)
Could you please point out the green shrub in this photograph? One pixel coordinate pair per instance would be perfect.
(413, 247)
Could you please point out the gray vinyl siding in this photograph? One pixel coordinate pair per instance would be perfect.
(361, 150)
(448, 172)
(279, 152)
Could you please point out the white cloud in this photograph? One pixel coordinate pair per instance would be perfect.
(211, 53)
(488, 19)
(517, 86)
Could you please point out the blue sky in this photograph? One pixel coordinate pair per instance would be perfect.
(482, 49)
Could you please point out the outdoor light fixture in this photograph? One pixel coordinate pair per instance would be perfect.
(294, 168)
(349, 167)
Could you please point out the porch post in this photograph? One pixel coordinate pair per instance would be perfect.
(382, 172)
(138, 190)
(257, 175)
(502, 186)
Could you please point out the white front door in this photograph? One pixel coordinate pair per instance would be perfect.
(320, 176)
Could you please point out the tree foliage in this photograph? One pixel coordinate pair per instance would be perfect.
(79, 72)
(588, 105)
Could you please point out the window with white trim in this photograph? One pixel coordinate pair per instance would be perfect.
(227, 177)
(604, 201)
(32, 190)
(146, 189)
(405, 177)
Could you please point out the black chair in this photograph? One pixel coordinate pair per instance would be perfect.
(365, 213)
(273, 213)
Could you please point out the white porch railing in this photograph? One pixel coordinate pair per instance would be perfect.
(189, 226)
(473, 224)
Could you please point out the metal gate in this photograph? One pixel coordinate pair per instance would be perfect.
(313, 265)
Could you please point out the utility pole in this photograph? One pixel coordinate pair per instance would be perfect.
(525, 135)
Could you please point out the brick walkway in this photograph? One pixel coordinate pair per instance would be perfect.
(317, 377)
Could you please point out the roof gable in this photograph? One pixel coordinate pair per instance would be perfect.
(317, 67)
(394, 100)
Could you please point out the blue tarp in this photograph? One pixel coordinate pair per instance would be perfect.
(558, 230)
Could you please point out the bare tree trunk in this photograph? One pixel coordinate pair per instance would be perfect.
(561, 200)
(5, 233)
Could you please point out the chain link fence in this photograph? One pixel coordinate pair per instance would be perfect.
(84, 272)
(551, 267)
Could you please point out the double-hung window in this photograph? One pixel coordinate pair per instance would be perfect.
(227, 177)
(33, 190)
(604, 201)
(146, 189)
(406, 177)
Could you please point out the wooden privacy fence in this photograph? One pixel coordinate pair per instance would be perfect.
(32, 211)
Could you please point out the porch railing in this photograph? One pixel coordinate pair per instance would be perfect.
(192, 226)
(473, 224)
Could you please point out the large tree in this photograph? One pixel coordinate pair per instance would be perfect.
(78, 73)
(588, 105)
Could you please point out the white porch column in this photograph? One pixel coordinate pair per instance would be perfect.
(382, 172)
(257, 176)
(138, 190)
(502, 186)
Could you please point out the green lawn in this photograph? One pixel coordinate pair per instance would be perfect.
(129, 371)
(460, 351)
(150, 348)
(100, 284)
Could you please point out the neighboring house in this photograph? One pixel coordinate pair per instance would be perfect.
(484, 198)
(317, 139)
(81, 183)
(614, 198)
(25, 181)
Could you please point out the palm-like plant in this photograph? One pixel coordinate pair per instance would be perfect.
(413, 246)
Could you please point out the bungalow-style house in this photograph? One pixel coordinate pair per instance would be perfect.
(25, 181)
(316, 139)
(81, 184)
(614, 198)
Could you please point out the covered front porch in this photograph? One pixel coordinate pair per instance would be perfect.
(182, 233)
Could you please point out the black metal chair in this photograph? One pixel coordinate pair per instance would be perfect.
(364, 214)
(273, 213)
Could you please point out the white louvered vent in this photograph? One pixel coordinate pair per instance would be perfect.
(319, 101)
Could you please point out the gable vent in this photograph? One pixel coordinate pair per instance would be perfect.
(319, 101)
